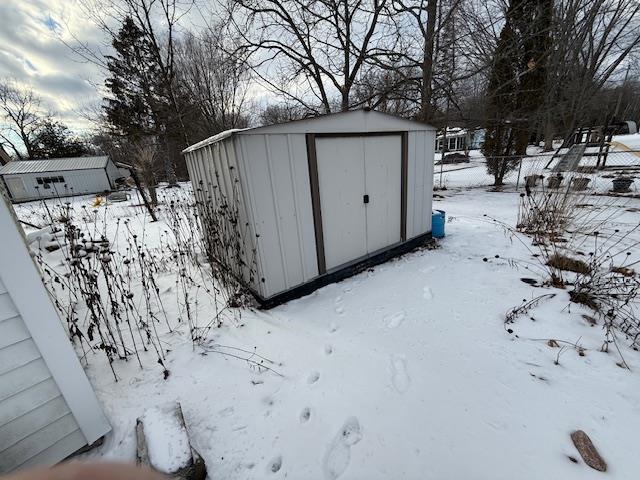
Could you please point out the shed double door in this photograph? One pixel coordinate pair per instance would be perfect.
(359, 180)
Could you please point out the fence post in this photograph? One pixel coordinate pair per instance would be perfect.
(519, 170)
(441, 165)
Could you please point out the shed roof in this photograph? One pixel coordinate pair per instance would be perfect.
(359, 120)
(54, 165)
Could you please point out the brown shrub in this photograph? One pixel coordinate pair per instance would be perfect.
(625, 271)
(568, 264)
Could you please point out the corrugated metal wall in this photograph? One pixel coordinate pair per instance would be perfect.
(216, 176)
(278, 190)
(420, 182)
(76, 182)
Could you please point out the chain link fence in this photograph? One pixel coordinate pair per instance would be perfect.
(615, 172)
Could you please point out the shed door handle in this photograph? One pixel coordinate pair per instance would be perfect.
(366, 199)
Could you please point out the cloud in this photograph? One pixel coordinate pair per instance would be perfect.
(33, 52)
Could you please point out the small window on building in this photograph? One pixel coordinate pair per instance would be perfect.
(39, 180)
(60, 179)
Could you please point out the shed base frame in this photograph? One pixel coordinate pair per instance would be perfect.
(343, 273)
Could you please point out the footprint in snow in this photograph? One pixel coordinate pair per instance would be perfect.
(339, 308)
(333, 328)
(313, 378)
(305, 415)
(394, 320)
(399, 376)
(427, 294)
(276, 464)
(338, 454)
(328, 349)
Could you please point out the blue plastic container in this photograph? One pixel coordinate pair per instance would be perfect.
(437, 223)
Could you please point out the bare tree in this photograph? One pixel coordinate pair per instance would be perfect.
(159, 22)
(311, 52)
(592, 41)
(20, 110)
(216, 80)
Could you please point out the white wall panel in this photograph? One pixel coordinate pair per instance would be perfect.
(76, 182)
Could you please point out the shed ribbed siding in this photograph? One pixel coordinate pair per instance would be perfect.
(420, 182)
(215, 175)
(277, 182)
(276, 170)
(36, 424)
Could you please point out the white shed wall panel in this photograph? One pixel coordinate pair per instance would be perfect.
(34, 416)
(76, 182)
(278, 186)
(420, 182)
(215, 172)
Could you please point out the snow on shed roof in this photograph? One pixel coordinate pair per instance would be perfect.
(54, 165)
(349, 119)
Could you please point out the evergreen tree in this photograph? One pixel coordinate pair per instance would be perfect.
(134, 106)
(516, 84)
(52, 139)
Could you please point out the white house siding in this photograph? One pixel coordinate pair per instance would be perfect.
(277, 179)
(48, 409)
(420, 182)
(36, 424)
(77, 182)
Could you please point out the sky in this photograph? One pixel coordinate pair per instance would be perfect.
(32, 51)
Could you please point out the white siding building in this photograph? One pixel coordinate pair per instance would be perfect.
(34, 179)
(48, 409)
(320, 197)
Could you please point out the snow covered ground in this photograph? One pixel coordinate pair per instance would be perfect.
(405, 371)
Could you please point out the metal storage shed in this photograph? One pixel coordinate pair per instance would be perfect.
(34, 179)
(316, 199)
(48, 409)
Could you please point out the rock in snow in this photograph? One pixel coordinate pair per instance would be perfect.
(588, 452)
(163, 443)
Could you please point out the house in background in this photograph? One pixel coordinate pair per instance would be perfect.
(35, 179)
(460, 139)
(320, 198)
(48, 409)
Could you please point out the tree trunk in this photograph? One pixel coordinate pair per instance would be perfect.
(427, 63)
(153, 194)
(548, 137)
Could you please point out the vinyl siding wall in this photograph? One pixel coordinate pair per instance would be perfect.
(36, 424)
